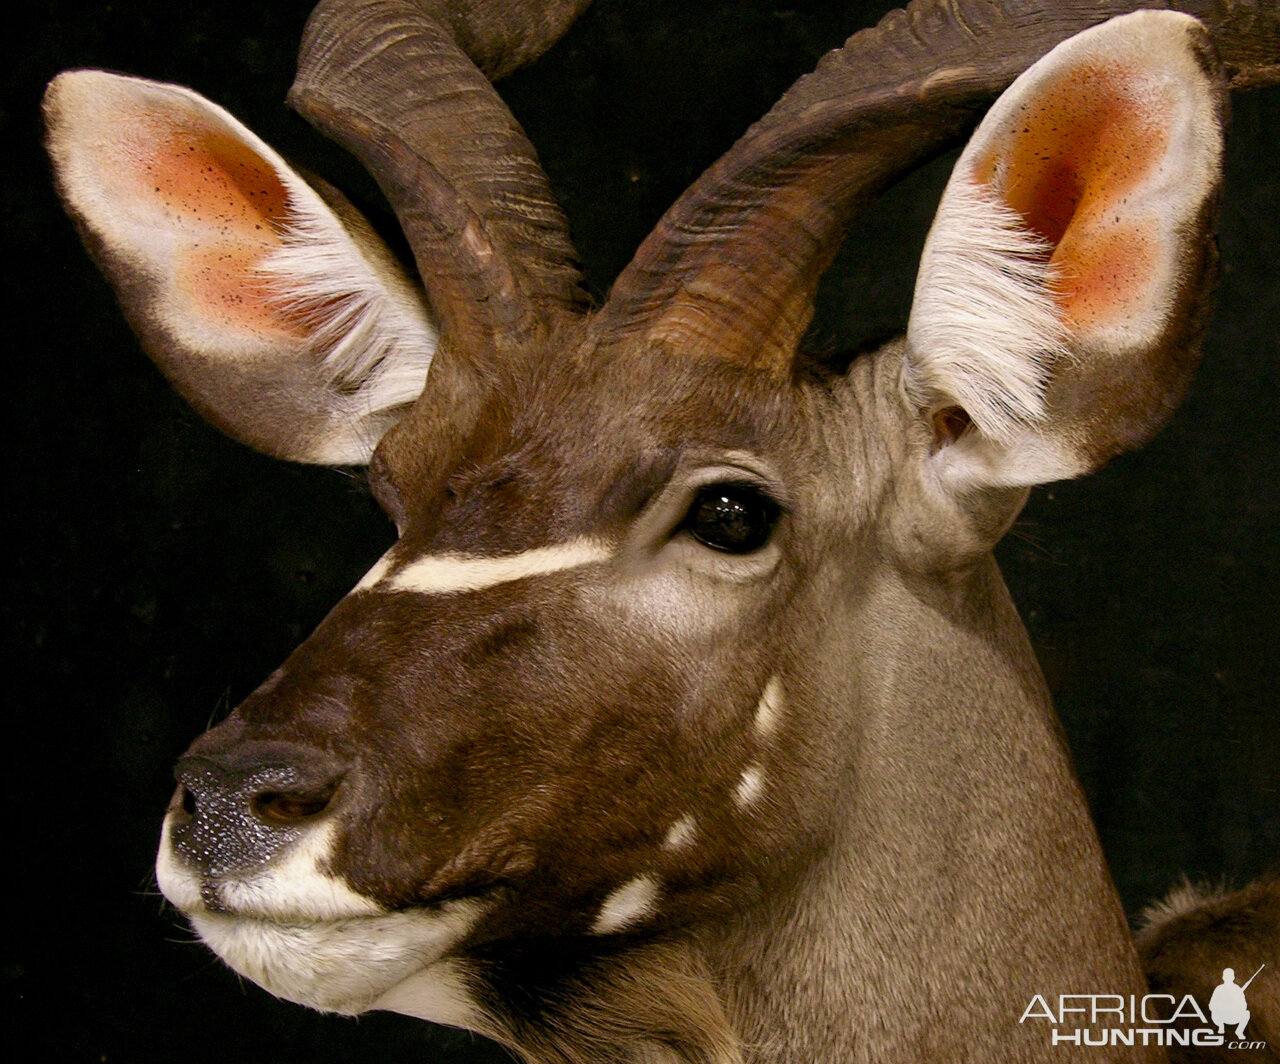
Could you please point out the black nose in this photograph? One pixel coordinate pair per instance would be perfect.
(234, 809)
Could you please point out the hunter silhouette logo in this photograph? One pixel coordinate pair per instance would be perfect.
(1152, 1019)
(1228, 1006)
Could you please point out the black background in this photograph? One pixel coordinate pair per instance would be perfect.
(160, 571)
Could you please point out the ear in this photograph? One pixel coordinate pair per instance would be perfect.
(1065, 281)
(288, 326)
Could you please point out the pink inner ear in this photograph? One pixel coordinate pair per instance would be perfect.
(224, 205)
(1069, 165)
(211, 181)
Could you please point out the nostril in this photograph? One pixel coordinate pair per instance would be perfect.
(237, 807)
(277, 807)
(182, 806)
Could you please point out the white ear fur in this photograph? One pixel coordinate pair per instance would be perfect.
(1060, 287)
(369, 329)
(983, 320)
(289, 329)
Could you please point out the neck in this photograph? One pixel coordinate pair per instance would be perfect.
(963, 878)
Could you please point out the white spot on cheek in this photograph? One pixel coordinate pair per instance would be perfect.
(750, 787)
(769, 711)
(445, 574)
(630, 903)
(680, 834)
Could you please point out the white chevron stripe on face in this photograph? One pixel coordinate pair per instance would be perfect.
(449, 574)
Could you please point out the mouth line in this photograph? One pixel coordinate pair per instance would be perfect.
(434, 907)
(299, 922)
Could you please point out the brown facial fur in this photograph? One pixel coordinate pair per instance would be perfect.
(541, 737)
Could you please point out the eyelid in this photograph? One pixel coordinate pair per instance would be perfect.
(742, 484)
(678, 504)
(659, 521)
(728, 488)
(656, 541)
(736, 469)
(729, 484)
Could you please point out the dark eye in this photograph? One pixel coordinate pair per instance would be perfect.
(735, 518)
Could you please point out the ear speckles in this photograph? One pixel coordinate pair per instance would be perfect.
(1068, 248)
(291, 327)
(681, 834)
(769, 711)
(750, 787)
(629, 904)
(449, 574)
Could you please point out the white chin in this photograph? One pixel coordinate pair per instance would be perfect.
(397, 961)
(306, 936)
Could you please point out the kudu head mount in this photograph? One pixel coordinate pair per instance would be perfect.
(689, 705)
